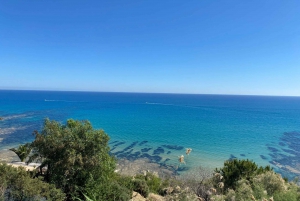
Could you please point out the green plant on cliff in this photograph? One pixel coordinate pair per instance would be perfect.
(74, 154)
(235, 170)
(22, 151)
(17, 184)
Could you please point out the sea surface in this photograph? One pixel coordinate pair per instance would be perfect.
(160, 127)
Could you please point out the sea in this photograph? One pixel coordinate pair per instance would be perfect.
(160, 127)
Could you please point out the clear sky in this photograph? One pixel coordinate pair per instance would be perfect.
(194, 46)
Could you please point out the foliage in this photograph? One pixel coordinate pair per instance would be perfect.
(17, 184)
(75, 154)
(141, 187)
(110, 191)
(118, 187)
(271, 182)
(22, 151)
(263, 187)
(235, 169)
(155, 184)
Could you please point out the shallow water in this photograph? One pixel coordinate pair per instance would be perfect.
(161, 126)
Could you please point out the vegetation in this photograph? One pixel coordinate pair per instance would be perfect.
(74, 154)
(22, 151)
(17, 184)
(76, 165)
(235, 170)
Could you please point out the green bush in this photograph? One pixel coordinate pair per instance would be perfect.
(286, 196)
(17, 184)
(155, 184)
(75, 155)
(235, 169)
(141, 187)
(111, 191)
(22, 151)
(261, 187)
(271, 182)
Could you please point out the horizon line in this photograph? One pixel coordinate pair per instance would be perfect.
(91, 91)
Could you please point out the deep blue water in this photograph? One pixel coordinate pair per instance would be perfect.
(160, 126)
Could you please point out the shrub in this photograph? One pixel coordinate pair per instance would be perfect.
(75, 155)
(17, 184)
(141, 187)
(271, 182)
(154, 183)
(243, 191)
(22, 151)
(111, 191)
(235, 169)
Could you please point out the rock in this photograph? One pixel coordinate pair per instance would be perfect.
(1, 118)
(168, 190)
(177, 189)
(137, 197)
(155, 197)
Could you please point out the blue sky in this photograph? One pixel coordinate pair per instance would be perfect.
(170, 46)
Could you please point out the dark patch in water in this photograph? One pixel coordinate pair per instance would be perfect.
(175, 147)
(290, 151)
(263, 157)
(272, 155)
(167, 159)
(159, 150)
(151, 158)
(232, 157)
(243, 155)
(143, 142)
(133, 156)
(168, 152)
(282, 144)
(112, 149)
(146, 149)
(183, 168)
(114, 142)
(291, 140)
(272, 149)
(118, 144)
(131, 146)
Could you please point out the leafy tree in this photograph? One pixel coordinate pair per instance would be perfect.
(22, 151)
(17, 184)
(74, 154)
(235, 170)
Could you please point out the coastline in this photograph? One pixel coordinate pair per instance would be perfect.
(124, 166)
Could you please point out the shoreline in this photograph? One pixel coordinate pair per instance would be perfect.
(124, 166)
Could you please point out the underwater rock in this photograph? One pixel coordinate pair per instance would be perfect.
(263, 157)
(146, 149)
(175, 147)
(118, 144)
(232, 157)
(159, 150)
(152, 158)
(143, 142)
(131, 146)
(272, 149)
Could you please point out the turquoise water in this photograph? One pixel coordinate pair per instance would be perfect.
(160, 126)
